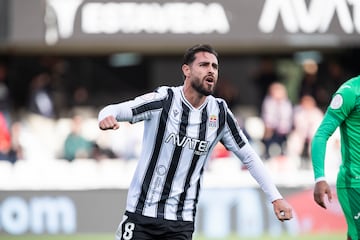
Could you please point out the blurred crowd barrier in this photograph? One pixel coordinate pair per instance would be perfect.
(114, 157)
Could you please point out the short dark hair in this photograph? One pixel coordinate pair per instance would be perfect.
(189, 55)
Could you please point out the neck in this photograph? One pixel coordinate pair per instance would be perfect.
(195, 98)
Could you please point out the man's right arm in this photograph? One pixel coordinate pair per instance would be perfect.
(110, 115)
(108, 122)
(130, 111)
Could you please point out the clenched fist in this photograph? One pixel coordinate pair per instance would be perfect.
(109, 122)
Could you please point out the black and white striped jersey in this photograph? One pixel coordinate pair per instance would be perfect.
(178, 140)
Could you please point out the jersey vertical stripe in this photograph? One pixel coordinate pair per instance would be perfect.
(234, 131)
(159, 139)
(221, 118)
(174, 162)
(194, 162)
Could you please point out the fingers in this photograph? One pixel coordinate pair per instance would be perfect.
(283, 210)
(322, 190)
(319, 199)
(283, 215)
(329, 195)
(109, 123)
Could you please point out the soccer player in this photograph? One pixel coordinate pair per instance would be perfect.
(182, 126)
(343, 112)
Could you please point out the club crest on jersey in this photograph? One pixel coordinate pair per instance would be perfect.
(212, 121)
(336, 102)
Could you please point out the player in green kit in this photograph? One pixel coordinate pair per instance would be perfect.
(343, 112)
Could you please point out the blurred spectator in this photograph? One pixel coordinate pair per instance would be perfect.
(41, 101)
(5, 140)
(128, 147)
(17, 148)
(80, 97)
(76, 145)
(306, 119)
(264, 77)
(79, 101)
(336, 76)
(311, 85)
(276, 113)
(5, 100)
(34, 138)
(58, 69)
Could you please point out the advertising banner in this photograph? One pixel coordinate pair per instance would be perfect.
(241, 211)
(170, 26)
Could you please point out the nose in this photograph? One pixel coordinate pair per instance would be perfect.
(212, 69)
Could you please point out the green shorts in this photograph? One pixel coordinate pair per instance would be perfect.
(349, 199)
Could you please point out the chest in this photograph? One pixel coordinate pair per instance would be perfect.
(194, 123)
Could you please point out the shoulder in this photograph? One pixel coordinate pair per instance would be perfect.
(349, 88)
(219, 104)
(346, 95)
(158, 94)
(352, 86)
(162, 90)
(218, 101)
(165, 90)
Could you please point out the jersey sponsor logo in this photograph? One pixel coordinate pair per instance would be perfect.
(212, 121)
(200, 147)
(176, 112)
(336, 102)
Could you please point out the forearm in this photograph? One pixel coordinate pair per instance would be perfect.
(120, 111)
(318, 149)
(260, 173)
(318, 145)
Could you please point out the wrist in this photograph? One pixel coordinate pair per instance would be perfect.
(276, 200)
(319, 179)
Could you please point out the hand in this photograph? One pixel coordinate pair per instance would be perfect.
(321, 189)
(282, 210)
(109, 123)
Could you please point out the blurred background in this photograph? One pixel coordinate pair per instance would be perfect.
(61, 61)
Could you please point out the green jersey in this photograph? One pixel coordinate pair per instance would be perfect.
(343, 112)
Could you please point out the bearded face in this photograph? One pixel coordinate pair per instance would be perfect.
(202, 87)
(203, 73)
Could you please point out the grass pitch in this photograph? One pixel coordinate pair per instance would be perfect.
(332, 236)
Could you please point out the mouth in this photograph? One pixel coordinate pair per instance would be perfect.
(210, 80)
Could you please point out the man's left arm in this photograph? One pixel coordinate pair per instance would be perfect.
(235, 140)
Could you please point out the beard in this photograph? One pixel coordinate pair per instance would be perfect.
(198, 86)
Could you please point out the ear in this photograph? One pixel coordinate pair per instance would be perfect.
(186, 70)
